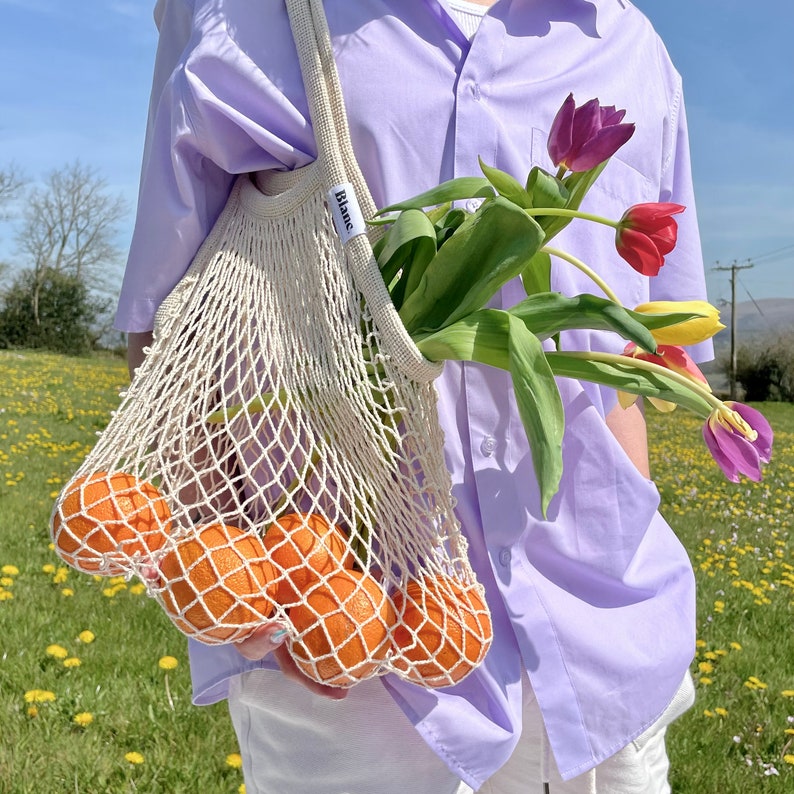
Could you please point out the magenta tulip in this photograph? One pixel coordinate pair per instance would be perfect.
(646, 234)
(739, 439)
(582, 138)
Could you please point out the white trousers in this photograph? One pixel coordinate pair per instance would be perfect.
(294, 742)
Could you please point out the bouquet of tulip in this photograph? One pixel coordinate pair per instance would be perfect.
(442, 265)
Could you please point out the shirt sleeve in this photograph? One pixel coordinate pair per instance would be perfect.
(214, 112)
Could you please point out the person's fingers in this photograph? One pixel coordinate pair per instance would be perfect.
(262, 641)
(294, 673)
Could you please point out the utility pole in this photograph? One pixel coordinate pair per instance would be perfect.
(734, 269)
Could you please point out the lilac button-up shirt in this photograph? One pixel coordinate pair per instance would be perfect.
(596, 602)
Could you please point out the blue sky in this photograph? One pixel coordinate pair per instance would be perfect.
(74, 84)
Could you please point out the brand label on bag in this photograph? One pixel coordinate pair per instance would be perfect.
(348, 219)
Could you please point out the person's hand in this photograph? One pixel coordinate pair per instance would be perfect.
(271, 638)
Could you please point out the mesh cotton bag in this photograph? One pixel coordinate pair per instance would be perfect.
(278, 454)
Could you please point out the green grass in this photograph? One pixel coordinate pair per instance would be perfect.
(738, 537)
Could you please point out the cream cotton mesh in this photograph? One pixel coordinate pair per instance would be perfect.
(278, 454)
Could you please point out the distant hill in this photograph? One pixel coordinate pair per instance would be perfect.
(769, 317)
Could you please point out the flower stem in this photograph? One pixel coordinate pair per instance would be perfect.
(657, 369)
(566, 213)
(586, 269)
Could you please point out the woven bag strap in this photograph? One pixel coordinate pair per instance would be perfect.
(339, 167)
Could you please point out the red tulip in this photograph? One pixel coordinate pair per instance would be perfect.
(582, 138)
(646, 233)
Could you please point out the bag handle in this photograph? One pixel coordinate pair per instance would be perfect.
(340, 168)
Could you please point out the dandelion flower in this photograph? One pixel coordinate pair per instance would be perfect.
(167, 663)
(788, 693)
(789, 758)
(72, 661)
(133, 757)
(234, 760)
(57, 651)
(735, 646)
(33, 711)
(39, 696)
(6, 595)
(86, 636)
(48, 568)
(9, 570)
(721, 712)
(6, 581)
(84, 719)
(241, 790)
(67, 592)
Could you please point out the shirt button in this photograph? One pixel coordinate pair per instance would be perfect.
(488, 446)
(505, 555)
(473, 204)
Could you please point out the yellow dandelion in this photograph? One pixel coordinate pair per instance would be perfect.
(167, 663)
(788, 693)
(139, 588)
(234, 760)
(67, 592)
(83, 719)
(39, 696)
(6, 595)
(72, 661)
(735, 646)
(721, 712)
(708, 713)
(61, 575)
(48, 568)
(700, 643)
(6, 581)
(705, 680)
(9, 570)
(133, 757)
(57, 651)
(33, 711)
(241, 790)
(789, 758)
(705, 667)
(86, 636)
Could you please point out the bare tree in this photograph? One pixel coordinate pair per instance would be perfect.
(68, 226)
(11, 184)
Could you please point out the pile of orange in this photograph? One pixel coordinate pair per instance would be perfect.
(443, 630)
(105, 520)
(218, 584)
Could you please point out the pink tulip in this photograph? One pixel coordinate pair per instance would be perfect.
(739, 439)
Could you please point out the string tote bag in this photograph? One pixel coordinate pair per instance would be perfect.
(278, 454)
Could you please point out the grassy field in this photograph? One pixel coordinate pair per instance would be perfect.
(94, 682)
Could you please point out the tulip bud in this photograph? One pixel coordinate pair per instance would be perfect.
(689, 332)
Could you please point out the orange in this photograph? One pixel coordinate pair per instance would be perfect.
(105, 519)
(443, 630)
(303, 548)
(343, 627)
(217, 583)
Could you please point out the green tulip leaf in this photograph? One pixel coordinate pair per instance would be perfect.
(506, 185)
(539, 406)
(629, 378)
(536, 276)
(546, 190)
(464, 187)
(488, 249)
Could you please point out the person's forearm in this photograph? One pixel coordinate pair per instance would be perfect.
(136, 342)
(628, 427)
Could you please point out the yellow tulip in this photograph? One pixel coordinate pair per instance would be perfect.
(689, 332)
